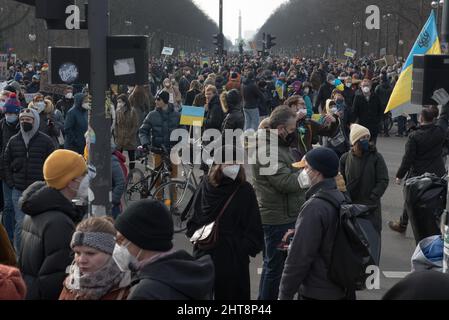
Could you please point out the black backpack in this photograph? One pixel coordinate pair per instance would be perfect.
(356, 244)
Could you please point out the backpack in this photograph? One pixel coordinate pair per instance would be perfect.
(122, 161)
(356, 245)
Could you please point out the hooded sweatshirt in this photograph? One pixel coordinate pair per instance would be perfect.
(36, 125)
(176, 276)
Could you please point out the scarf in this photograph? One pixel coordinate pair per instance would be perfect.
(94, 286)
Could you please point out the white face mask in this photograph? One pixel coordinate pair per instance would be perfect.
(334, 110)
(120, 105)
(348, 85)
(86, 106)
(124, 260)
(69, 95)
(39, 106)
(232, 171)
(82, 194)
(2, 104)
(304, 180)
(366, 90)
(302, 112)
(306, 91)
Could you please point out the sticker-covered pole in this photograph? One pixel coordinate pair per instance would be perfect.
(99, 119)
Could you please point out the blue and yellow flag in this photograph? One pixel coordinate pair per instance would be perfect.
(192, 116)
(427, 43)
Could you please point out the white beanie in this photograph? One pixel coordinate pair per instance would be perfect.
(357, 132)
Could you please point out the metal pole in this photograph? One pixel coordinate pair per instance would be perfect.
(221, 49)
(445, 28)
(99, 121)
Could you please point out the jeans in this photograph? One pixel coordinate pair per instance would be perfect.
(273, 261)
(8, 211)
(115, 211)
(19, 215)
(251, 119)
(402, 121)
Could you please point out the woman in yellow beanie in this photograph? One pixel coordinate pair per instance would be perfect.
(50, 219)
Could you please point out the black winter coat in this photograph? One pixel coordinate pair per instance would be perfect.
(324, 93)
(215, 115)
(424, 148)
(7, 131)
(24, 166)
(240, 235)
(235, 119)
(366, 181)
(157, 127)
(190, 97)
(307, 266)
(176, 276)
(368, 113)
(47, 231)
(252, 96)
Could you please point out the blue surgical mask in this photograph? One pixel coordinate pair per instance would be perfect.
(12, 118)
(364, 144)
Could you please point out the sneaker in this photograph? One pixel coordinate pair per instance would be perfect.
(396, 226)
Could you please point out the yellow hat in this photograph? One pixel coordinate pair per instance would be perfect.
(61, 167)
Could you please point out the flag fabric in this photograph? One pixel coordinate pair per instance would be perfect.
(427, 43)
(192, 116)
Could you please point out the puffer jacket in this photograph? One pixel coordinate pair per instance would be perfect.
(157, 127)
(75, 126)
(126, 128)
(48, 226)
(7, 131)
(24, 164)
(278, 191)
(307, 266)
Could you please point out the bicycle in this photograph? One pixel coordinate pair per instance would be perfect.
(175, 194)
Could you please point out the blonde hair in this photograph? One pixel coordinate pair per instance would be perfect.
(49, 107)
(211, 88)
(224, 102)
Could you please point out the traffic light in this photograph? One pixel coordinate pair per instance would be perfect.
(270, 43)
(219, 43)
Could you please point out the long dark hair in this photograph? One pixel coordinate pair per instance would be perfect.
(216, 175)
(140, 97)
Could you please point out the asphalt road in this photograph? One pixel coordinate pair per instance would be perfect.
(397, 249)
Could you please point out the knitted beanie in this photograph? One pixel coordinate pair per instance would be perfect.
(12, 105)
(323, 160)
(61, 167)
(148, 225)
(357, 132)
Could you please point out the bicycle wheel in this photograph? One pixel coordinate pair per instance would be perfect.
(176, 195)
(135, 185)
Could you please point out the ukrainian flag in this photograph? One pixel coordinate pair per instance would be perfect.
(427, 43)
(192, 116)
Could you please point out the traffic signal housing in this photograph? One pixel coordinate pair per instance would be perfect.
(219, 43)
(52, 11)
(269, 41)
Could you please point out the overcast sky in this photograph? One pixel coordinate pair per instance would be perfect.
(254, 14)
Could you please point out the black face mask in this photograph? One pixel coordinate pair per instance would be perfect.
(289, 138)
(27, 127)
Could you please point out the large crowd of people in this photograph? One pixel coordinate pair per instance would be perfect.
(299, 103)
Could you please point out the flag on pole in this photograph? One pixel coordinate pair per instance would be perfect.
(427, 43)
